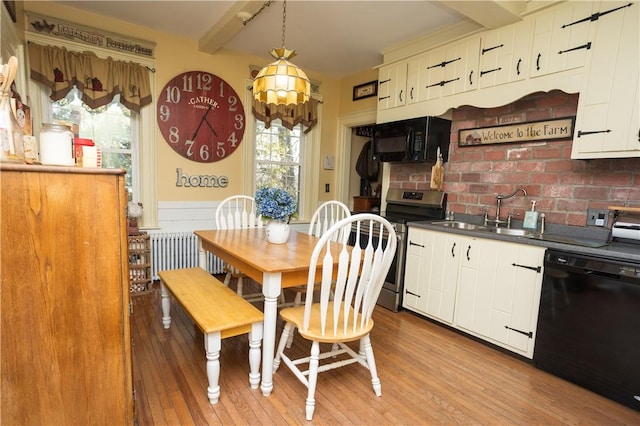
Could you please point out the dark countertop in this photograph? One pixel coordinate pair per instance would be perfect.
(616, 250)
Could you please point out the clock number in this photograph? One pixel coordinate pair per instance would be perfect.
(174, 136)
(220, 152)
(173, 94)
(233, 101)
(187, 83)
(189, 144)
(204, 82)
(204, 152)
(239, 121)
(165, 113)
(222, 89)
(233, 141)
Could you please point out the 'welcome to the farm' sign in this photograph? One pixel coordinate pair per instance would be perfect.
(561, 128)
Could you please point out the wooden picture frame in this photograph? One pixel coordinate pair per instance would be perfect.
(365, 90)
(11, 8)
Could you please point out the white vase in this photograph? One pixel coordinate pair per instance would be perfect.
(277, 232)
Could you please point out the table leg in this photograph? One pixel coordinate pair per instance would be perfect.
(202, 255)
(271, 289)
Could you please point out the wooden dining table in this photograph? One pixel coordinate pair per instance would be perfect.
(274, 266)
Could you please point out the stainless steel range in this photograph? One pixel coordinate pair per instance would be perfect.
(406, 206)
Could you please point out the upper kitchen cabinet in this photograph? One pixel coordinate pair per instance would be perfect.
(607, 122)
(560, 38)
(392, 85)
(504, 54)
(452, 69)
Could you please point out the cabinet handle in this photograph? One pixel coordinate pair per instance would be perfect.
(518, 66)
(411, 293)
(538, 62)
(596, 16)
(586, 46)
(468, 250)
(400, 95)
(384, 81)
(491, 48)
(538, 269)
(383, 98)
(470, 80)
(489, 71)
(411, 93)
(453, 247)
(526, 333)
(411, 243)
(592, 132)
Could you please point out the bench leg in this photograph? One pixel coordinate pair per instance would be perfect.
(212, 343)
(255, 340)
(166, 306)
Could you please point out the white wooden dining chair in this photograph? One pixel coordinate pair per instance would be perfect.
(235, 212)
(326, 215)
(346, 318)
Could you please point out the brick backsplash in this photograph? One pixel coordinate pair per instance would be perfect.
(563, 188)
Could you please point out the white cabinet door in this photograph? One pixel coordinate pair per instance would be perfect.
(560, 44)
(504, 54)
(499, 292)
(431, 273)
(414, 65)
(451, 69)
(392, 84)
(607, 117)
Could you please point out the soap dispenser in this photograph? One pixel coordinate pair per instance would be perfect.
(531, 218)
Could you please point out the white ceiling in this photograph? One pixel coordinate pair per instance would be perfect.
(338, 38)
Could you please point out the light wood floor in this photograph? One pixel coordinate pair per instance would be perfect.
(430, 375)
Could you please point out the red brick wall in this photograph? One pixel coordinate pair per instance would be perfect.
(563, 188)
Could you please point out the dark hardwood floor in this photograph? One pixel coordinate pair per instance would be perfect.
(430, 375)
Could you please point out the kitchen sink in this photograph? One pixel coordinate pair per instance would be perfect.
(512, 232)
(460, 225)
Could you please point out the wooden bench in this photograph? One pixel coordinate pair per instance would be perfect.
(219, 313)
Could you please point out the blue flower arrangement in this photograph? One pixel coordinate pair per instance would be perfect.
(276, 203)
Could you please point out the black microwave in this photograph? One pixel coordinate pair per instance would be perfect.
(412, 141)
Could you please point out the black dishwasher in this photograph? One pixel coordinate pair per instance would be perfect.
(589, 324)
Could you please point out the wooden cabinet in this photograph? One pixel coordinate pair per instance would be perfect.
(557, 44)
(505, 54)
(365, 204)
(451, 69)
(431, 273)
(607, 122)
(65, 344)
(487, 288)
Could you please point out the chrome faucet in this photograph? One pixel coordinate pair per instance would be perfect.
(499, 199)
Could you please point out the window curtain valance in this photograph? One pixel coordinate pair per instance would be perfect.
(290, 115)
(98, 79)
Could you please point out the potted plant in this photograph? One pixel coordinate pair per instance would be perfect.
(279, 206)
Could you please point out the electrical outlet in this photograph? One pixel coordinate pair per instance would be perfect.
(326, 187)
(597, 217)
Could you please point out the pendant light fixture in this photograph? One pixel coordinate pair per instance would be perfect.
(281, 82)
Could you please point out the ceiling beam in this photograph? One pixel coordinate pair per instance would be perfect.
(490, 14)
(228, 26)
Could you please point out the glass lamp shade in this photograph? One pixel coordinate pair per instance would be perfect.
(281, 82)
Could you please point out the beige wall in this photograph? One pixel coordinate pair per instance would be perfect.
(175, 55)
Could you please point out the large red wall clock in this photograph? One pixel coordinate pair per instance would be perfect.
(200, 116)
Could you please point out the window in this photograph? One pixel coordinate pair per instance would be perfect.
(278, 158)
(125, 146)
(111, 129)
(306, 172)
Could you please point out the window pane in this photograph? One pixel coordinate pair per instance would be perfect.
(110, 128)
(278, 158)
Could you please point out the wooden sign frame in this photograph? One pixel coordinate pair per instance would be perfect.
(532, 131)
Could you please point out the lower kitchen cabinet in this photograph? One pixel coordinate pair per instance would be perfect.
(487, 288)
(431, 272)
